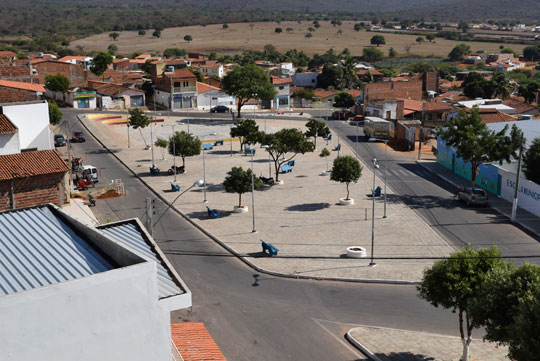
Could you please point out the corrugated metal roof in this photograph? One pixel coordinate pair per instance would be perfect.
(38, 249)
(128, 234)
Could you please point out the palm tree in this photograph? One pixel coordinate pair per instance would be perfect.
(349, 77)
(502, 86)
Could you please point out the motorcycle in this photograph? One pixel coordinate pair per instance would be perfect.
(92, 200)
(179, 170)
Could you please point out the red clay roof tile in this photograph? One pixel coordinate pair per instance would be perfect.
(6, 127)
(23, 165)
(194, 342)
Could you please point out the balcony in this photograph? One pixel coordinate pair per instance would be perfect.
(184, 89)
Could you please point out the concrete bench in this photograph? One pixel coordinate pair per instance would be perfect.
(207, 146)
(285, 168)
(175, 187)
(338, 147)
(218, 142)
(212, 213)
(269, 249)
(249, 151)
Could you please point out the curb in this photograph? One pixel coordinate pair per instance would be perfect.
(361, 347)
(518, 224)
(225, 246)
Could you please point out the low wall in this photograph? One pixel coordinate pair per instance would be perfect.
(528, 195)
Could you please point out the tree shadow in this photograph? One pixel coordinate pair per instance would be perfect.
(102, 151)
(143, 160)
(404, 356)
(204, 214)
(210, 187)
(222, 152)
(308, 207)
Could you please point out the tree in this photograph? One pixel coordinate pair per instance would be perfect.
(283, 142)
(185, 145)
(112, 49)
(325, 153)
(316, 24)
(476, 143)
(142, 32)
(343, 100)
(55, 115)
(317, 128)
(330, 77)
(114, 36)
(392, 53)
(526, 339)
(529, 89)
(372, 54)
(248, 82)
(531, 161)
(239, 181)
(430, 37)
(459, 52)
(225, 26)
(501, 85)
(174, 52)
(289, 30)
(308, 35)
(278, 30)
(420, 39)
(188, 38)
(532, 53)
(463, 26)
(508, 51)
(156, 33)
(57, 83)
(247, 130)
(101, 63)
(138, 120)
(498, 306)
(161, 143)
(348, 73)
(455, 282)
(346, 169)
(377, 40)
(357, 27)
(305, 93)
(310, 29)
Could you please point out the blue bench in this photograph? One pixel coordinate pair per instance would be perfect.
(329, 137)
(290, 163)
(376, 192)
(285, 168)
(338, 147)
(269, 249)
(218, 142)
(154, 171)
(212, 213)
(249, 151)
(207, 146)
(175, 187)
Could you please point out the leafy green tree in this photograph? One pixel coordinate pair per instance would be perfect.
(174, 52)
(447, 70)
(357, 27)
(330, 77)
(239, 181)
(225, 26)
(463, 26)
(508, 51)
(531, 161)
(114, 36)
(278, 30)
(156, 33)
(138, 120)
(112, 49)
(377, 40)
(501, 85)
(392, 53)
(101, 63)
(343, 100)
(455, 283)
(316, 24)
(498, 305)
(346, 169)
(316, 128)
(248, 82)
(283, 142)
(305, 93)
(142, 32)
(325, 153)
(532, 53)
(529, 90)
(57, 83)
(161, 143)
(348, 73)
(55, 115)
(420, 67)
(525, 341)
(420, 39)
(245, 129)
(476, 143)
(372, 54)
(188, 38)
(430, 37)
(185, 145)
(308, 35)
(459, 52)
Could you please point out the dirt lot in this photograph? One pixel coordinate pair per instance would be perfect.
(241, 36)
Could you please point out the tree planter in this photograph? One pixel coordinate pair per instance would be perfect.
(242, 209)
(346, 202)
(279, 182)
(356, 252)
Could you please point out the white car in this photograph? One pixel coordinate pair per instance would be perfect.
(474, 196)
(91, 173)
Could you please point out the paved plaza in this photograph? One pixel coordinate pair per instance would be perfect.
(301, 217)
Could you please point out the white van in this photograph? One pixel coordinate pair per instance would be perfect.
(90, 172)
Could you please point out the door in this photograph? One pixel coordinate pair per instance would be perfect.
(177, 103)
(136, 100)
(83, 103)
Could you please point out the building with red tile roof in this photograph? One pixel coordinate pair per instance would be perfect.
(15, 91)
(176, 90)
(521, 107)
(194, 342)
(6, 126)
(490, 115)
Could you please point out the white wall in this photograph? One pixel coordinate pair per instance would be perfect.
(305, 79)
(162, 98)
(112, 315)
(528, 195)
(32, 119)
(217, 98)
(9, 144)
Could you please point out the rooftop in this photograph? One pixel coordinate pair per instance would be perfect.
(194, 342)
(29, 164)
(38, 249)
(6, 127)
(203, 88)
(23, 86)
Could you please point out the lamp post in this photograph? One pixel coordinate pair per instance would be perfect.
(385, 174)
(204, 165)
(253, 194)
(375, 167)
(356, 140)
(174, 147)
(269, 161)
(129, 143)
(197, 183)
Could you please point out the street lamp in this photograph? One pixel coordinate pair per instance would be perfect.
(204, 165)
(269, 160)
(375, 167)
(253, 193)
(174, 148)
(197, 183)
(129, 143)
(385, 174)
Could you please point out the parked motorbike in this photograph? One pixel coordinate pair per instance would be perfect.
(179, 170)
(91, 200)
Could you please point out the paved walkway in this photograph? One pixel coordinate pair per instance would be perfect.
(525, 219)
(77, 208)
(387, 344)
(301, 217)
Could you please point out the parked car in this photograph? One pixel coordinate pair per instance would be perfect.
(78, 137)
(342, 115)
(59, 140)
(90, 172)
(220, 109)
(473, 196)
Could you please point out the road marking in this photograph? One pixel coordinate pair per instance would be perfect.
(352, 349)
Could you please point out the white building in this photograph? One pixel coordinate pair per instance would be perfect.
(488, 104)
(32, 122)
(209, 96)
(73, 292)
(305, 79)
(286, 68)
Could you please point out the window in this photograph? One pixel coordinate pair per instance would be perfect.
(281, 87)
(283, 101)
(177, 84)
(186, 84)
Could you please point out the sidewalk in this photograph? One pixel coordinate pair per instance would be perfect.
(388, 344)
(302, 217)
(78, 209)
(527, 220)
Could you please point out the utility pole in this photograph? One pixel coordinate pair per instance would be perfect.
(421, 132)
(149, 215)
(516, 190)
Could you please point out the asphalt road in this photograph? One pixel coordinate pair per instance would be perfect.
(432, 198)
(255, 316)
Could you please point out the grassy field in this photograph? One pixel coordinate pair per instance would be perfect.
(241, 36)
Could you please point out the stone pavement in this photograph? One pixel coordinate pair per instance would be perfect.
(301, 217)
(77, 208)
(387, 344)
